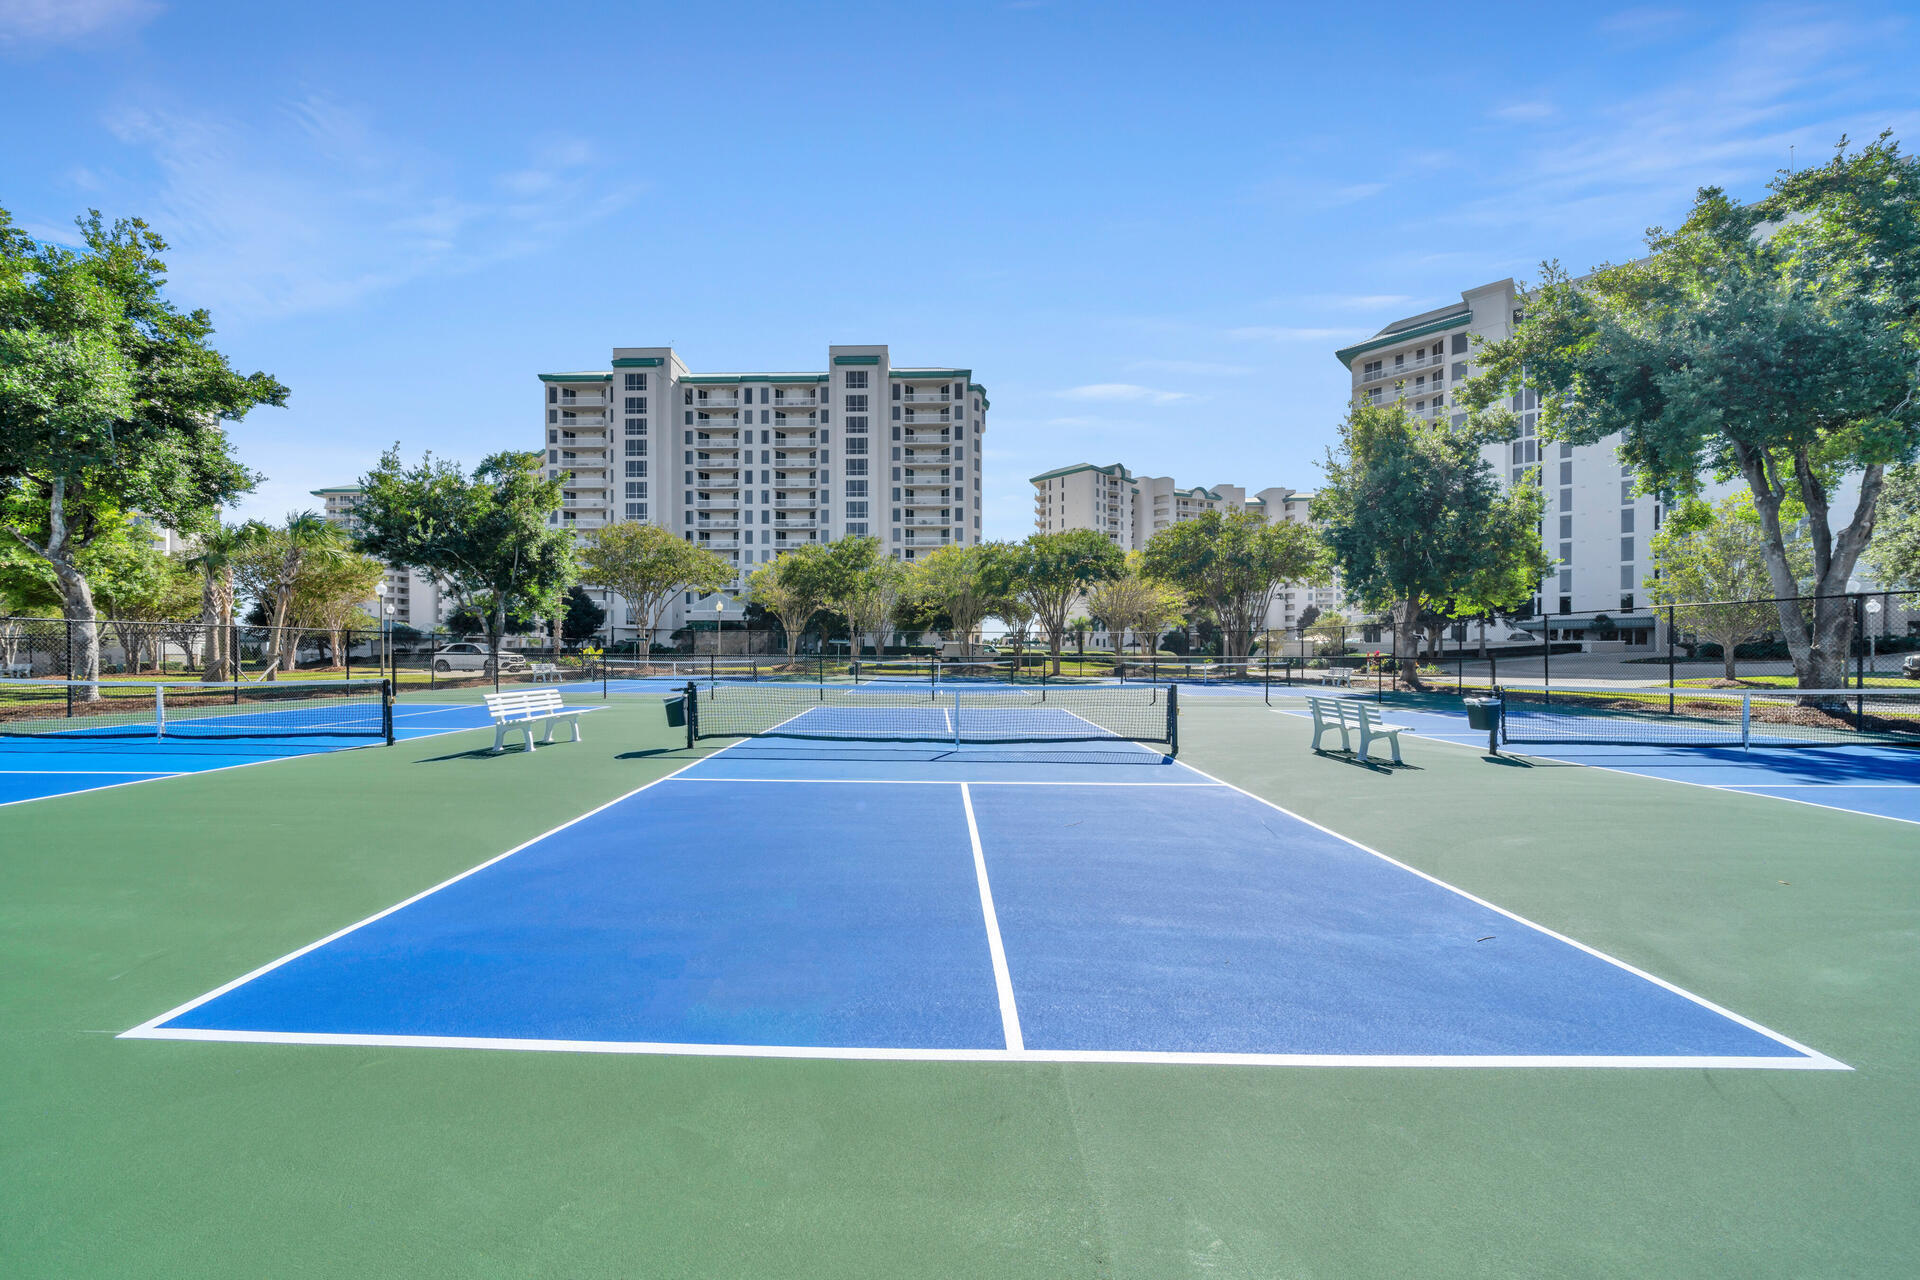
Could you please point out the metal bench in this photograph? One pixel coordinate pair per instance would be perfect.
(1350, 716)
(519, 710)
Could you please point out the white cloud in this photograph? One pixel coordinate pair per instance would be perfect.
(316, 207)
(1121, 392)
(43, 22)
(1197, 368)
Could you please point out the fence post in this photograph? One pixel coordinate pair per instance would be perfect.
(1546, 656)
(69, 671)
(1670, 670)
(1859, 642)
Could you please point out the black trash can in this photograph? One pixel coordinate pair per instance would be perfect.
(1483, 713)
(677, 712)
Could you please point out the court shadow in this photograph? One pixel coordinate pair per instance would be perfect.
(1371, 766)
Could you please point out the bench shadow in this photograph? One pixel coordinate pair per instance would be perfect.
(1371, 766)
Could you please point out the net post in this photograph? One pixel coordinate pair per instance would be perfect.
(1746, 720)
(1173, 720)
(1670, 671)
(1546, 655)
(159, 711)
(956, 719)
(693, 714)
(386, 710)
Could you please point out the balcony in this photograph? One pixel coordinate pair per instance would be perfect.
(722, 523)
(941, 477)
(717, 401)
(796, 502)
(804, 460)
(719, 461)
(926, 420)
(934, 521)
(579, 481)
(794, 480)
(714, 480)
(927, 455)
(784, 522)
(796, 400)
(591, 522)
(583, 504)
(570, 400)
(725, 437)
(1401, 370)
(582, 422)
(797, 434)
(720, 544)
(926, 397)
(726, 502)
(927, 435)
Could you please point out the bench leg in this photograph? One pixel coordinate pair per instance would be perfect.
(527, 731)
(575, 722)
(499, 739)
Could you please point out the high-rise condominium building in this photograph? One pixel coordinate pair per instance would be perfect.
(750, 464)
(1130, 509)
(1597, 527)
(417, 599)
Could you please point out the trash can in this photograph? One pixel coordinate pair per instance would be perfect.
(677, 712)
(1483, 713)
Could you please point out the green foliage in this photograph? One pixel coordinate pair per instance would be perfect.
(1049, 571)
(1131, 601)
(793, 587)
(1777, 341)
(963, 583)
(112, 402)
(647, 566)
(584, 616)
(486, 536)
(1894, 553)
(1229, 566)
(1712, 566)
(1417, 522)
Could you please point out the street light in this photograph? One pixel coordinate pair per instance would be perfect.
(1873, 610)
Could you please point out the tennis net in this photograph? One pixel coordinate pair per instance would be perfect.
(183, 709)
(1711, 717)
(911, 712)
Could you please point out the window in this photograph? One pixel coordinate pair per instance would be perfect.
(1459, 370)
(896, 391)
(858, 445)
(636, 404)
(1626, 519)
(636, 468)
(636, 426)
(1626, 606)
(856, 488)
(553, 415)
(853, 425)
(1566, 553)
(1626, 548)
(553, 395)
(855, 404)
(856, 510)
(856, 466)
(1626, 491)
(636, 382)
(1626, 577)
(636, 448)
(1566, 579)
(636, 511)
(1566, 473)
(636, 488)
(857, 529)
(1566, 499)
(1566, 526)
(856, 379)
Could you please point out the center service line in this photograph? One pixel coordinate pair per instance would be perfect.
(1003, 983)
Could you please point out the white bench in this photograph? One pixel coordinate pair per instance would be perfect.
(17, 671)
(1348, 715)
(522, 709)
(544, 672)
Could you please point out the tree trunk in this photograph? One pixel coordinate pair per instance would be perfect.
(1406, 642)
(496, 628)
(76, 606)
(1825, 666)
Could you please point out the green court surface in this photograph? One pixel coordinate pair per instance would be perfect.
(180, 1158)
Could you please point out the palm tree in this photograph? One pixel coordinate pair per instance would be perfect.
(218, 555)
(307, 538)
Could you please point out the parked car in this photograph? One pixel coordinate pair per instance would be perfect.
(1910, 666)
(467, 656)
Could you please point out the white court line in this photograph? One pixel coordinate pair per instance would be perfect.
(1736, 788)
(856, 1053)
(943, 782)
(1002, 981)
(105, 773)
(1822, 1059)
(1824, 786)
(150, 1029)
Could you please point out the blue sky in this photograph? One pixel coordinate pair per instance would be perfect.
(1144, 227)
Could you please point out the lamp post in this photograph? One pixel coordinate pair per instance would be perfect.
(1873, 615)
(385, 609)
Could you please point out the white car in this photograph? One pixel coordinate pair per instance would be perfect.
(465, 656)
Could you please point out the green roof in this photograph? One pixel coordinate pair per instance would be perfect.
(339, 488)
(919, 374)
(1345, 355)
(1111, 469)
(856, 359)
(638, 362)
(576, 377)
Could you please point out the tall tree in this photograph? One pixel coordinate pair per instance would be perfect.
(112, 402)
(963, 582)
(583, 617)
(485, 536)
(140, 587)
(1415, 519)
(1134, 601)
(1711, 568)
(647, 566)
(330, 595)
(1052, 570)
(1894, 553)
(1778, 342)
(278, 559)
(1230, 566)
(793, 587)
(218, 556)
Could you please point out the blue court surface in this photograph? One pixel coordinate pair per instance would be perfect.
(1086, 902)
(63, 764)
(1881, 781)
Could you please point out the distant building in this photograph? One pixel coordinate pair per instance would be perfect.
(1130, 509)
(416, 598)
